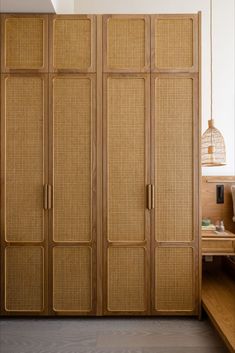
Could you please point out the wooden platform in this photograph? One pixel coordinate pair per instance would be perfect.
(218, 299)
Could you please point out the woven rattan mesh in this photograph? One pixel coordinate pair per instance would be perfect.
(174, 159)
(174, 279)
(24, 158)
(72, 44)
(126, 43)
(72, 279)
(126, 279)
(24, 278)
(174, 43)
(72, 158)
(24, 43)
(126, 160)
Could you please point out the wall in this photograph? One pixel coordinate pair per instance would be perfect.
(64, 6)
(26, 6)
(223, 52)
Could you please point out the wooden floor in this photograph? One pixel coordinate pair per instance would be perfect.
(108, 335)
(218, 298)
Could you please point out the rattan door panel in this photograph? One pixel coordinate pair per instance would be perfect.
(174, 111)
(72, 279)
(73, 128)
(24, 279)
(24, 43)
(174, 279)
(126, 41)
(73, 43)
(126, 174)
(126, 281)
(23, 121)
(174, 43)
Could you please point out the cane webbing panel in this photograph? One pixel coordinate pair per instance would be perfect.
(72, 279)
(24, 43)
(72, 44)
(126, 158)
(174, 159)
(174, 279)
(125, 43)
(126, 279)
(174, 43)
(24, 121)
(24, 278)
(72, 158)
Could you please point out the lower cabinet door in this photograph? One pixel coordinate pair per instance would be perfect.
(72, 248)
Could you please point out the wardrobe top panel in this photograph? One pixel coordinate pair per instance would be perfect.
(72, 43)
(24, 43)
(123, 43)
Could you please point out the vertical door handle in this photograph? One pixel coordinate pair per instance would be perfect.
(149, 198)
(49, 197)
(45, 196)
(152, 196)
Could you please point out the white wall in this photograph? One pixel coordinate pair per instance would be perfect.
(223, 52)
(64, 6)
(26, 6)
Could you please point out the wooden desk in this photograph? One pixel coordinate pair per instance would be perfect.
(218, 289)
(214, 243)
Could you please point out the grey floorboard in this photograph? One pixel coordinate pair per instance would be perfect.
(108, 335)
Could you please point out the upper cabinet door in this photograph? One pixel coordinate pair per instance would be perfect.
(126, 43)
(73, 44)
(24, 43)
(174, 43)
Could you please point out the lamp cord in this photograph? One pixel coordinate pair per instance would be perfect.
(211, 58)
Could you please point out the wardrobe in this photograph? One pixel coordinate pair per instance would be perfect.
(100, 126)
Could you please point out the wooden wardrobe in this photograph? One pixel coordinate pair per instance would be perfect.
(100, 164)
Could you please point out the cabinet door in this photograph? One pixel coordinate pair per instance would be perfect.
(175, 175)
(126, 175)
(24, 222)
(73, 179)
(126, 45)
(174, 43)
(73, 43)
(24, 43)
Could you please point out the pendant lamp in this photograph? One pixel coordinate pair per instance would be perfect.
(213, 146)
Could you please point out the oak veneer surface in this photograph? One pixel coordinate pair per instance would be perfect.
(212, 210)
(218, 298)
(126, 152)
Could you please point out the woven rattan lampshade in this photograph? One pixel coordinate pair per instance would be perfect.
(213, 146)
